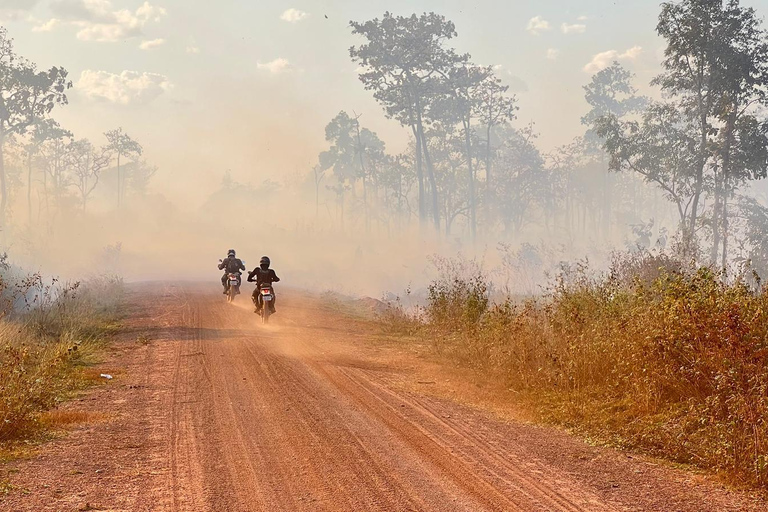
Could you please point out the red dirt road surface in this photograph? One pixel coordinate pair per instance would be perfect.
(219, 413)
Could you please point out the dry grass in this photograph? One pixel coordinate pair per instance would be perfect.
(654, 357)
(46, 352)
(62, 418)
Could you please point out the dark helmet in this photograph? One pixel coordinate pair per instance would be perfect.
(264, 262)
(231, 252)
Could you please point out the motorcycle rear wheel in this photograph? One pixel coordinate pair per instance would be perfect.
(265, 312)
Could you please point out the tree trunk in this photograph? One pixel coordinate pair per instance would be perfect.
(118, 180)
(365, 206)
(430, 169)
(716, 220)
(29, 187)
(420, 175)
(363, 174)
(726, 178)
(698, 186)
(430, 176)
(488, 178)
(724, 262)
(432, 184)
(471, 176)
(701, 161)
(317, 198)
(607, 204)
(3, 185)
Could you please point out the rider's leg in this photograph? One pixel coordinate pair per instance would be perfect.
(272, 303)
(225, 282)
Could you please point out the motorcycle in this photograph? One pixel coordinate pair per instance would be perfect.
(267, 294)
(233, 288)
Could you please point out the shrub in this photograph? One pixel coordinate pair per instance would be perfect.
(43, 346)
(655, 355)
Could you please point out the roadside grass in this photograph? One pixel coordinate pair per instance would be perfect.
(47, 353)
(655, 356)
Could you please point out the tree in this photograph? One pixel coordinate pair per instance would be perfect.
(123, 146)
(26, 95)
(352, 155)
(318, 173)
(494, 108)
(662, 148)
(398, 177)
(42, 131)
(141, 174)
(87, 164)
(522, 180)
(461, 104)
(715, 68)
(56, 155)
(693, 44)
(609, 93)
(741, 77)
(403, 60)
(446, 143)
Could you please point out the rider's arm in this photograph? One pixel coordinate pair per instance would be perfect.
(274, 277)
(250, 275)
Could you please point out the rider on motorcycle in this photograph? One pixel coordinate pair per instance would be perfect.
(230, 265)
(263, 275)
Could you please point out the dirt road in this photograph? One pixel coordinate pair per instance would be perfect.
(219, 413)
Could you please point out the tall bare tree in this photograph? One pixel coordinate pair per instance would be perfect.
(87, 164)
(122, 146)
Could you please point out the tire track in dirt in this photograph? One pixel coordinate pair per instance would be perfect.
(235, 416)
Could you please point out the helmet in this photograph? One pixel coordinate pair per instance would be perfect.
(264, 261)
(231, 252)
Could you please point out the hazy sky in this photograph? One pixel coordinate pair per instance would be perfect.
(208, 86)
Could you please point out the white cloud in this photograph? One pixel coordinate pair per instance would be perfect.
(575, 28)
(99, 21)
(150, 44)
(193, 50)
(47, 26)
(537, 24)
(11, 10)
(294, 15)
(632, 53)
(553, 53)
(22, 5)
(129, 87)
(582, 18)
(604, 59)
(277, 66)
(149, 12)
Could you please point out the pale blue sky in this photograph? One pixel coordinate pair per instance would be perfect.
(231, 85)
